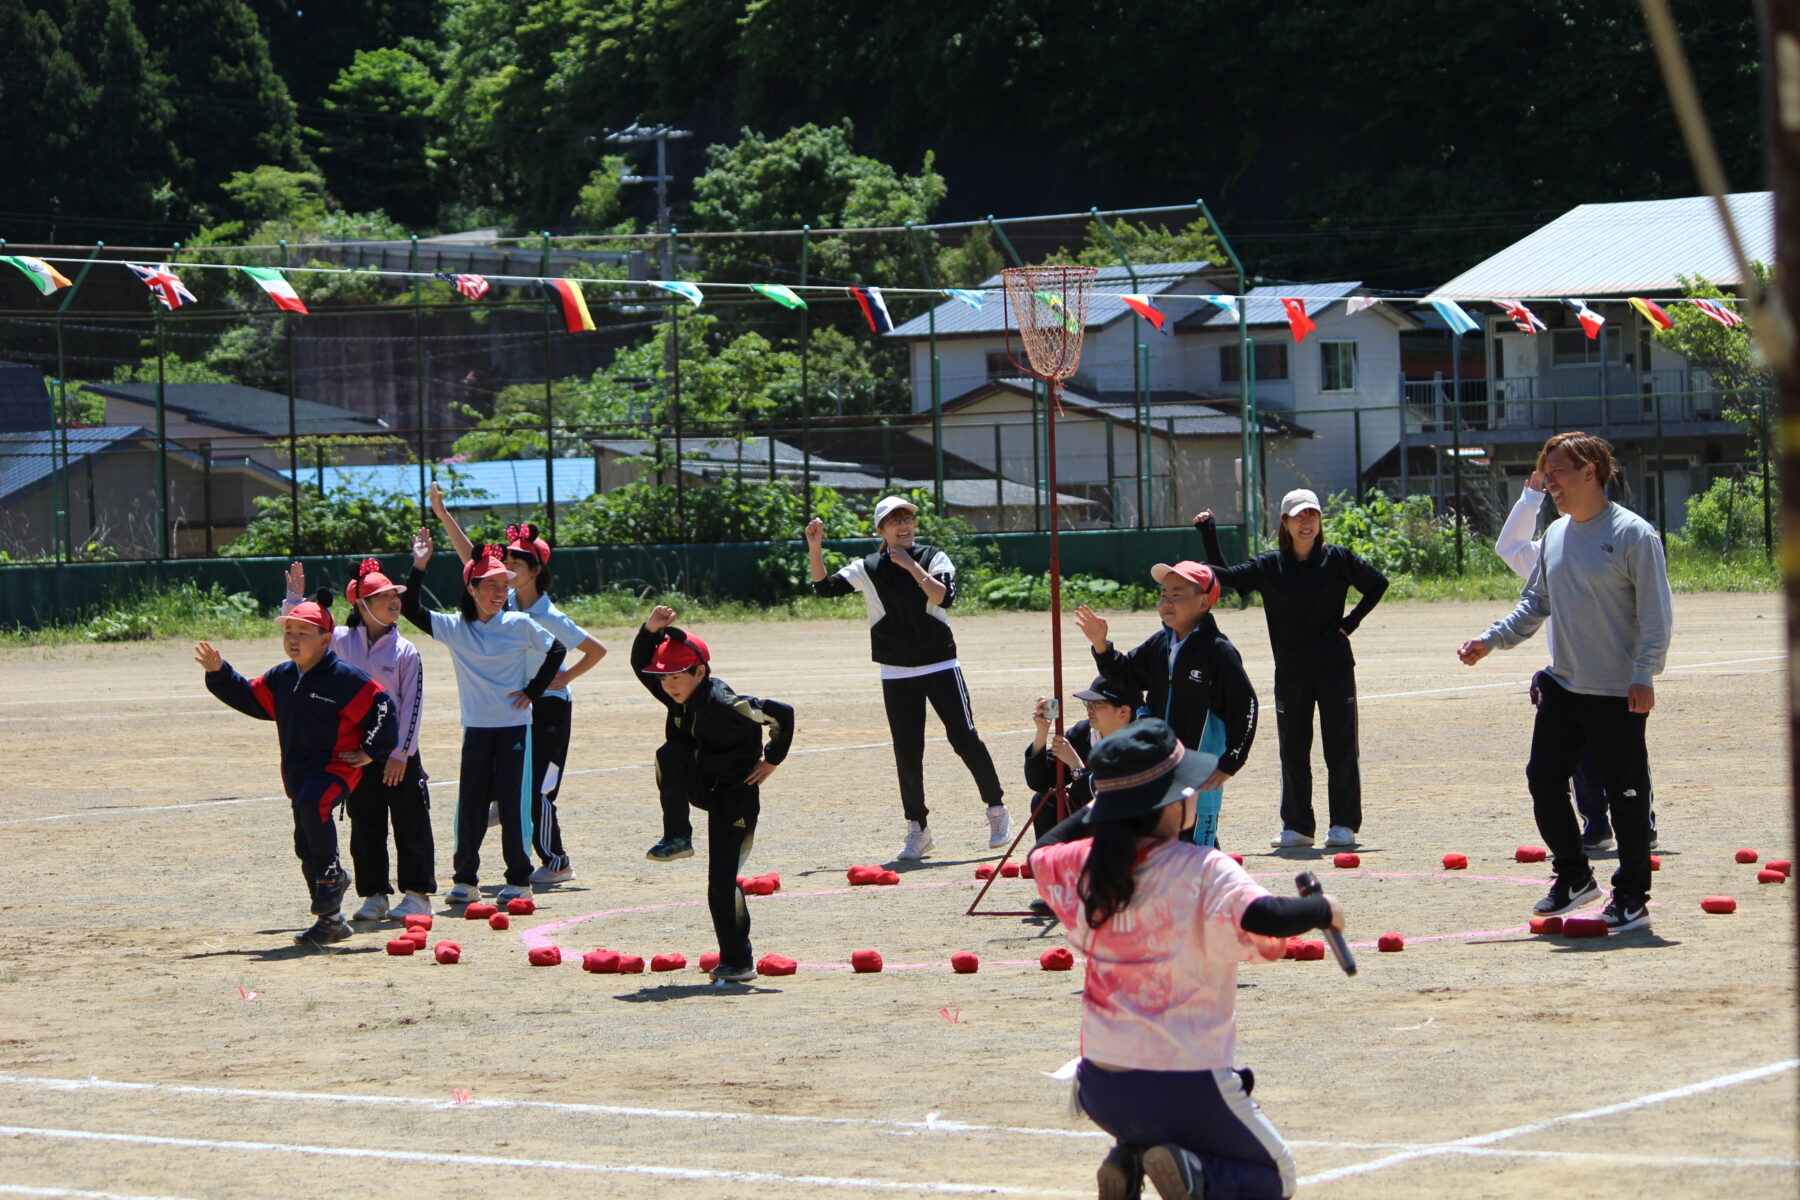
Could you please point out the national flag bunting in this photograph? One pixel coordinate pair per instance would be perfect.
(1523, 317)
(780, 294)
(472, 286)
(280, 290)
(1718, 312)
(874, 308)
(1054, 303)
(1652, 312)
(680, 287)
(47, 278)
(971, 298)
(576, 317)
(1298, 321)
(1591, 321)
(1228, 303)
(163, 283)
(1459, 321)
(1142, 306)
(1355, 304)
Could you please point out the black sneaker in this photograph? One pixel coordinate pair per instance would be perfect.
(1175, 1172)
(325, 932)
(1121, 1175)
(670, 849)
(1566, 897)
(328, 891)
(1598, 843)
(1620, 916)
(1040, 907)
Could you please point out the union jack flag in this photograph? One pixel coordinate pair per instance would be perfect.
(472, 286)
(1521, 316)
(162, 281)
(1718, 312)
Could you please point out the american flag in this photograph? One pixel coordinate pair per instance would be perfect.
(472, 286)
(1521, 316)
(1718, 312)
(162, 281)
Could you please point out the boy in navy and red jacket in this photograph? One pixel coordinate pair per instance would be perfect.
(332, 720)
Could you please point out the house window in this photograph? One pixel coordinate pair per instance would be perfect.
(1337, 366)
(1574, 348)
(1000, 367)
(1271, 362)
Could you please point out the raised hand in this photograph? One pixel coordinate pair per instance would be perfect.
(1092, 626)
(1203, 517)
(437, 499)
(296, 581)
(1037, 713)
(814, 534)
(659, 619)
(421, 548)
(209, 659)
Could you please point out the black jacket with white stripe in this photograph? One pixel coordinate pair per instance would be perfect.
(905, 628)
(1207, 677)
(724, 729)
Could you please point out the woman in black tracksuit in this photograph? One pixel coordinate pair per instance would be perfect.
(1304, 585)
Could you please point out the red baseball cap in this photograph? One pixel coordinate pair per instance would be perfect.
(1198, 574)
(525, 540)
(485, 562)
(678, 654)
(310, 611)
(370, 581)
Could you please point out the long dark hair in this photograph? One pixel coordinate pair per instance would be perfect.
(465, 604)
(1106, 884)
(540, 568)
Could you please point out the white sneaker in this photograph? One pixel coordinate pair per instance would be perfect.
(493, 813)
(509, 892)
(374, 908)
(550, 874)
(1337, 835)
(413, 904)
(464, 893)
(999, 826)
(1289, 838)
(918, 841)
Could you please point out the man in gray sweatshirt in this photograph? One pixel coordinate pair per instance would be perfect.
(1600, 571)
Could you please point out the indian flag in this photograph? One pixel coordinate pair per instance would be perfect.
(47, 277)
(275, 283)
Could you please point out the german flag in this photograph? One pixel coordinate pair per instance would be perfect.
(576, 317)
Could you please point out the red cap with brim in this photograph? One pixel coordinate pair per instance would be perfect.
(370, 583)
(675, 655)
(481, 568)
(1198, 574)
(519, 540)
(309, 611)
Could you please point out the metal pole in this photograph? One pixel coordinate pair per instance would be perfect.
(1405, 477)
(999, 481)
(1005, 241)
(1662, 474)
(1762, 442)
(675, 378)
(1356, 430)
(62, 393)
(1053, 397)
(1456, 442)
(1139, 411)
(162, 442)
(1037, 465)
(937, 396)
(1250, 423)
(206, 492)
(550, 396)
(419, 373)
(805, 380)
(293, 432)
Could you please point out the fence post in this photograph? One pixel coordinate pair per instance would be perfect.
(550, 412)
(1456, 443)
(1356, 450)
(419, 373)
(1405, 476)
(1762, 441)
(1140, 411)
(287, 329)
(937, 398)
(162, 439)
(62, 400)
(805, 380)
(1112, 491)
(1251, 424)
(1662, 474)
(675, 364)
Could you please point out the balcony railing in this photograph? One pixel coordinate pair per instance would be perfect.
(1567, 400)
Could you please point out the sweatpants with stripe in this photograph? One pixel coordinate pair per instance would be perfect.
(493, 772)
(1333, 693)
(550, 719)
(731, 811)
(1207, 1112)
(905, 700)
(315, 834)
(407, 805)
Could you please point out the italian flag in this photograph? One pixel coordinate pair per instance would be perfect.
(275, 283)
(47, 277)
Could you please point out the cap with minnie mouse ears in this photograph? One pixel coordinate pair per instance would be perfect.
(484, 562)
(524, 540)
(370, 581)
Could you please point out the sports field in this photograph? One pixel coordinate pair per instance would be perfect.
(161, 1036)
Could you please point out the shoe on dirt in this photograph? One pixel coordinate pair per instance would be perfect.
(411, 905)
(511, 892)
(553, 874)
(1621, 917)
(1175, 1172)
(725, 974)
(999, 826)
(918, 841)
(328, 891)
(670, 849)
(1565, 897)
(325, 932)
(464, 893)
(1337, 835)
(1288, 839)
(374, 908)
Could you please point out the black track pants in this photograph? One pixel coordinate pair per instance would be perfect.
(493, 771)
(550, 718)
(731, 813)
(408, 805)
(1567, 724)
(1333, 693)
(905, 700)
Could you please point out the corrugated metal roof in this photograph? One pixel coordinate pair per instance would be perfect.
(251, 410)
(1631, 249)
(955, 317)
(1194, 415)
(509, 484)
(29, 459)
(1263, 307)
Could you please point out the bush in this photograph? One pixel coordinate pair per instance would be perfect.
(1019, 592)
(343, 523)
(182, 607)
(1729, 515)
(1397, 537)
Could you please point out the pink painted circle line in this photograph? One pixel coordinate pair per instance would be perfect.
(541, 935)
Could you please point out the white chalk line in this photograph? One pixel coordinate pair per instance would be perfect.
(19, 1189)
(1526, 682)
(538, 1164)
(1482, 1140)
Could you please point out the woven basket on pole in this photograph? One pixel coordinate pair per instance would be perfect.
(1047, 307)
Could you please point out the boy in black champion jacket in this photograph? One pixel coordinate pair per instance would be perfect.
(907, 586)
(1200, 689)
(712, 758)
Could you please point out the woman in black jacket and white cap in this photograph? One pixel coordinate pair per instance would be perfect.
(907, 586)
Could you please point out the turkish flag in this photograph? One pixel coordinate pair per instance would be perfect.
(1298, 321)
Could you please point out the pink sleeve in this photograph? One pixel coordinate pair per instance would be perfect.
(1057, 870)
(1227, 890)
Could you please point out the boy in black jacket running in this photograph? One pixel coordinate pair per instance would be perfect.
(1192, 678)
(713, 758)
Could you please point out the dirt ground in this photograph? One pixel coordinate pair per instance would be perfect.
(162, 1037)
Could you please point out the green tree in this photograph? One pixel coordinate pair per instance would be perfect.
(379, 143)
(342, 523)
(1729, 355)
(600, 205)
(271, 193)
(1146, 243)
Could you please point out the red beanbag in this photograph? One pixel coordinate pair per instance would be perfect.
(762, 885)
(1058, 959)
(1025, 869)
(402, 945)
(1718, 904)
(1546, 924)
(741, 881)
(865, 962)
(1292, 948)
(889, 878)
(1656, 862)
(1310, 951)
(630, 964)
(1584, 927)
(1236, 858)
(984, 871)
(709, 960)
(448, 953)
(1746, 855)
(1390, 943)
(1780, 864)
(964, 963)
(1010, 871)
(545, 956)
(1768, 876)
(776, 964)
(479, 912)
(423, 920)
(858, 876)
(499, 920)
(1346, 861)
(1456, 862)
(601, 962)
(774, 879)
(669, 962)
(521, 906)
(1530, 854)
